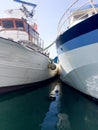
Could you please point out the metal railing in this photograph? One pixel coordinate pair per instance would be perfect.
(64, 22)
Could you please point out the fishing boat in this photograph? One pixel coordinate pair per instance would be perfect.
(22, 57)
(77, 47)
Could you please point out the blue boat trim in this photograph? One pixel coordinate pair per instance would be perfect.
(83, 27)
(83, 40)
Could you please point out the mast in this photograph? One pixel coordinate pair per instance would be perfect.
(27, 13)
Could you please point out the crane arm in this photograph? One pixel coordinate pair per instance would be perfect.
(27, 3)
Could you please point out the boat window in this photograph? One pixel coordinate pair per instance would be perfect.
(32, 32)
(26, 26)
(0, 25)
(7, 23)
(19, 24)
(93, 13)
(80, 16)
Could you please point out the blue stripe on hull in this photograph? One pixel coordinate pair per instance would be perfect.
(83, 28)
(83, 40)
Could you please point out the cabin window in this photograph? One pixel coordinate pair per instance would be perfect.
(7, 23)
(84, 16)
(0, 25)
(26, 26)
(32, 32)
(80, 16)
(93, 13)
(19, 24)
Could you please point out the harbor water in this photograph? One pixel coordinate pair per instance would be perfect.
(51, 106)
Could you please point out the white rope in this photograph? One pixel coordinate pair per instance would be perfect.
(50, 45)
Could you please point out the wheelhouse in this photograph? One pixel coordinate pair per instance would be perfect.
(18, 29)
(19, 25)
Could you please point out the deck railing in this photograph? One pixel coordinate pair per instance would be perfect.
(64, 22)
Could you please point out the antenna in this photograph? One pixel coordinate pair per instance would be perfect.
(25, 10)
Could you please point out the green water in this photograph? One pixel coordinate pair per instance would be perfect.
(32, 110)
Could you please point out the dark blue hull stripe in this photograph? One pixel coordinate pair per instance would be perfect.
(83, 27)
(83, 40)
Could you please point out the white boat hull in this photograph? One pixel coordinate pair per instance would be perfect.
(79, 69)
(19, 65)
(78, 58)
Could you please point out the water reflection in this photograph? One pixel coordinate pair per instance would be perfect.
(23, 110)
(51, 118)
(35, 110)
(81, 113)
(63, 122)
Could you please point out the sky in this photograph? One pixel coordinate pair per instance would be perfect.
(47, 16)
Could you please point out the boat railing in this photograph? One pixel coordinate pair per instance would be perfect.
(65, 21)
(39, 43)
(17, 37)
